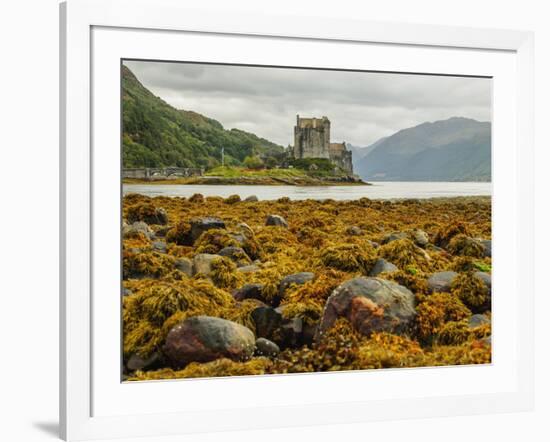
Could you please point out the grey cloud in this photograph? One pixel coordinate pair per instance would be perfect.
(362, 107)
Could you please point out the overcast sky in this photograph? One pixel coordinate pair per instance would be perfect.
(362, 106)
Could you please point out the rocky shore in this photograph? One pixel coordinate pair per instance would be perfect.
(303, 180)
(225, 287)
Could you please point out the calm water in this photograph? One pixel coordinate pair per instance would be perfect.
(378, 190)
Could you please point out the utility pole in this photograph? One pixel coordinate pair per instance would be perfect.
(223, 157)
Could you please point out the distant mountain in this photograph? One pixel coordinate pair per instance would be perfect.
(457, 149)
(156, 134)
(360, 152)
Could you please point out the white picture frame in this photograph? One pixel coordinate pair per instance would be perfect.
(83, 413)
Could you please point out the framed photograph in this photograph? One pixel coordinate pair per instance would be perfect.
(322, 221)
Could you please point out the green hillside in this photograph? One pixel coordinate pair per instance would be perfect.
(156, 134)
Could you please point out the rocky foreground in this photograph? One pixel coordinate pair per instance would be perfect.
(224, 287)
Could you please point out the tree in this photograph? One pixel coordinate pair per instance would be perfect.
(254, 162)
(271, 162)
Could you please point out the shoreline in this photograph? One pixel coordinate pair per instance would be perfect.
(252, 181)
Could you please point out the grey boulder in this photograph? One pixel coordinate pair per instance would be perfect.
(370, 305)
(206, 338)
(275, 220)
(265, 347)
(201, 225)
(381, 266)
(441, 281)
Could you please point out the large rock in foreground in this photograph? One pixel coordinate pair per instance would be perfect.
(371, 305)
(205, 338)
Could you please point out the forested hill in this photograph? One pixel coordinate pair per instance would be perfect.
(156, 134)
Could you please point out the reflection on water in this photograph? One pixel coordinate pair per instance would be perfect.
(378, 190)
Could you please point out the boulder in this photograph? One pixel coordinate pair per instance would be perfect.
(251, 199)
(354, 231)
(394, 237)
(477, 320)
(249, 291)
(275, 220)
(296, 278)
(200, 225)
(291, 333)
(159, 246)
(248, 269)
(267, 321)
(441, 281)
(202, 263)
(136, 362)
(265, 347)
(245, 230)
(236, 254)
(420, 238)
(381, 265)
(370, 305)
(485, 277)
(205, 338)
(184, 265)
(487, 247)
(129, 230)
(148, 214)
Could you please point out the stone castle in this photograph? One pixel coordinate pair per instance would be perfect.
(312, 140)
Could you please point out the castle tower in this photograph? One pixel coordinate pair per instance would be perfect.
(311, 137)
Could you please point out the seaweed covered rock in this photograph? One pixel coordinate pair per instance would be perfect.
(268, 322)
(354, 231)
(147, 213)
(441, 281)
(159, 246)
(478, 320)
(143, 265)
(184, 265)
(404, 253)
(420, 237)
(370, 305)
(349, 257)
(436, 311)
(382, 266)
(251, 199)
(276, 220)
(202, 263)
(474, 290)
(295, 279)
(447, 232)
(137, 228)
(206, 338)
(394, 236)
(487, 247)
(232, 199)
(249, 291)
(200, 225)
(463, 245)
(224, 273)
(485, 278)
(236, 254)
(137, 362)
